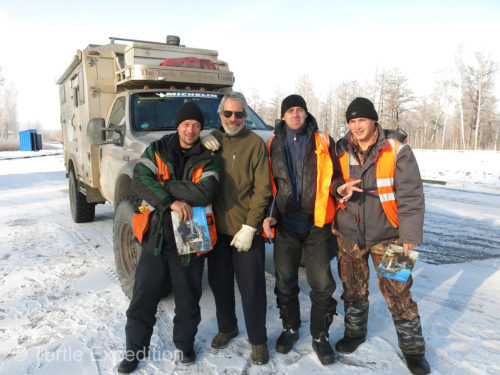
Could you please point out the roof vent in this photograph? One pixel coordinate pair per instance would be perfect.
(173, 40)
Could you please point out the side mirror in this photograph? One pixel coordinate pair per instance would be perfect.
(96, 132)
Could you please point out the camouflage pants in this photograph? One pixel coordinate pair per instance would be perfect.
(354, 272)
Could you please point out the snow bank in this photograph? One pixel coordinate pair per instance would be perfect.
(461, 168)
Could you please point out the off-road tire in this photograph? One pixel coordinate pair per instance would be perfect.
(126, 248)
(81, 210)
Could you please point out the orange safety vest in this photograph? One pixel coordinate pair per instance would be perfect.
(324, 205)
(140, 221)
(386, 165)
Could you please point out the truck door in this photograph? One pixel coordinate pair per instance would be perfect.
(111, 156)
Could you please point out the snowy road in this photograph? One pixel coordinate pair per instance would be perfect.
(62, 310)
(460, 225)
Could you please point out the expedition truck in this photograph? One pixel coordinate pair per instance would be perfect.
(117, 98)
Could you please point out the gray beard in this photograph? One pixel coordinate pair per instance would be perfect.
(232, 132)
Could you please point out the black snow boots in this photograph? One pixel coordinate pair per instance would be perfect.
(356, 322)
(290, 317)
(320, 325)
(411, 342)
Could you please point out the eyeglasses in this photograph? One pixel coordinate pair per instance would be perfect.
(238, 115)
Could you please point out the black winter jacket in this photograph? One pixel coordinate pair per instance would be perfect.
(178, 187)
(285, 202)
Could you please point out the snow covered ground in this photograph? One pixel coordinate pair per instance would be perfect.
(62, 309)
(460, 168)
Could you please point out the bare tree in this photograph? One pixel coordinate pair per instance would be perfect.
(343, 94)
(8, 111)
(443, 102)
(497, 135)
(2, 79)
(439, 110)
(326, 113)
(254, 100)
(275, 105)
(395, 98)
(422, 119)
(459, 114)
(379, 91)
(480, 90)
(305, 88)
(460, 74)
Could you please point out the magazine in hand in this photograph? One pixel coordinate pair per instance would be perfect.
(395, 264)
(191, 236)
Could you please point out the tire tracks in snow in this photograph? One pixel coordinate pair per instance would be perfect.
(49, 301)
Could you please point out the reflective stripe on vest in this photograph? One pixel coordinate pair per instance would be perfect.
(140, 221)
(386, 166)
(324, 205)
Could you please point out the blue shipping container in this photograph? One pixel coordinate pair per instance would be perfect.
(26, 140)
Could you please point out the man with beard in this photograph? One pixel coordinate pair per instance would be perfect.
(244, 192)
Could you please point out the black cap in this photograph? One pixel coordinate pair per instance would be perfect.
(292, 101)
(361, 107)
(189, 111)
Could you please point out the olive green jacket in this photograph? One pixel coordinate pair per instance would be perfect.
(244, 184)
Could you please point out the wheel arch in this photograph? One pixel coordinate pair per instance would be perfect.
(123, 184)
(71, 166)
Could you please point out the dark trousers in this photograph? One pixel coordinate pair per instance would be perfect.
(149, 286)
(316, 246)
(224, 262)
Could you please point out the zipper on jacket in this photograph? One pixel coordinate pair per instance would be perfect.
(232, 163)
(308, 147)
(298, 201)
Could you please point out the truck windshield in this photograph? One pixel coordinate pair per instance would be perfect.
(156, 110)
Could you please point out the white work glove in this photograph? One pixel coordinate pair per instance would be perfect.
(210, 142)
(242, 240)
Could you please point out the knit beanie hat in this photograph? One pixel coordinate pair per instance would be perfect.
(292, 101)
(189, 111)
(361, 107)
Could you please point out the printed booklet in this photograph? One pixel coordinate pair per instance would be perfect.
(191, 236)
(396, 265)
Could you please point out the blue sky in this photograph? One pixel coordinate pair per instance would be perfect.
(268, 44)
